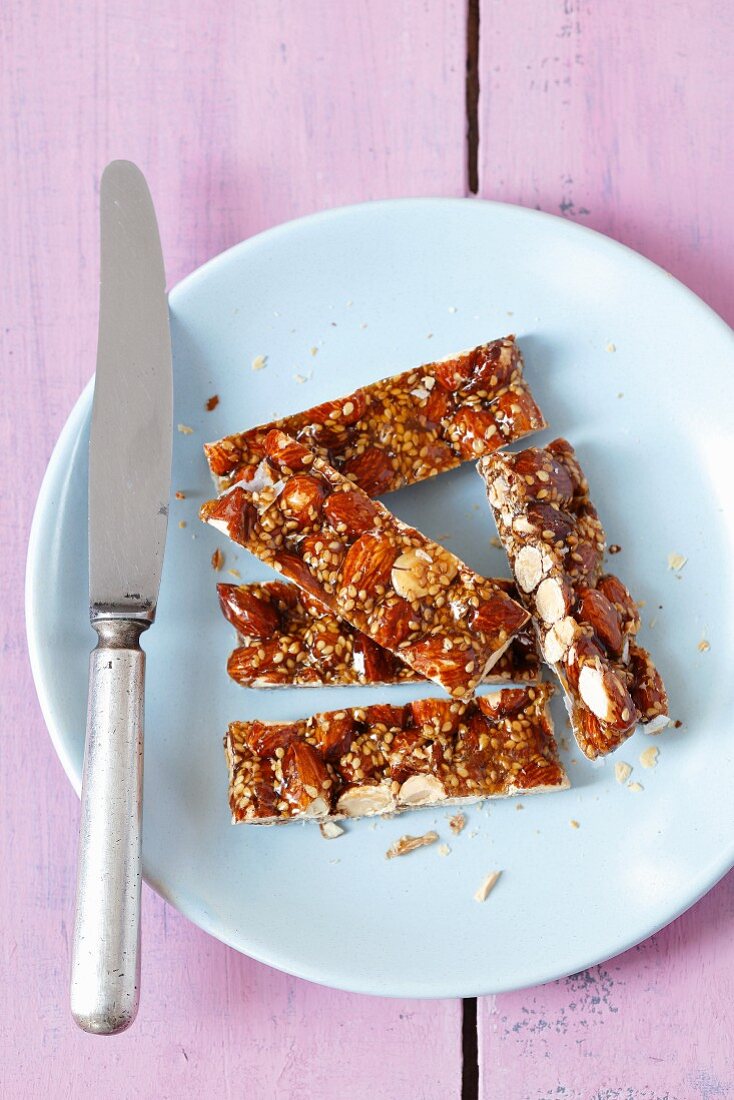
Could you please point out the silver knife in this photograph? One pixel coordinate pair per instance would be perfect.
(129, 484)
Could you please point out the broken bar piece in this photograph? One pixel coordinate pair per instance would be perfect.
(404, 428)
(288, 638)
(586, 620)
(382, 759)
(392, 583)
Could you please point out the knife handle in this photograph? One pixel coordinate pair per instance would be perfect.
(105, 960)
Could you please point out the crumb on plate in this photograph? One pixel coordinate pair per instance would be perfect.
(487, 886)
(649, 757)
(217, 560)
(409, 844)
(622, 771)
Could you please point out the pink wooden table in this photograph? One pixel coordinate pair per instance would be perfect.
(244, 114)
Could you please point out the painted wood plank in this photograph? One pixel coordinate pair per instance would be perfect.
(242, 114)
(618, 116)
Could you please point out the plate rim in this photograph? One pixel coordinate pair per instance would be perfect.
(69, 435)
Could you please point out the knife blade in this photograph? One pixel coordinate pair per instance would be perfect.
(131, 433)
(129, 484)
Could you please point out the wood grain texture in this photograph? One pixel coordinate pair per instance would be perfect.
(242, 115)
(618, 116)
(653, 1024)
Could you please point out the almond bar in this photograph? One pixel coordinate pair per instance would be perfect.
(402, 590)
(586, 620)
(383, 759)
(404, 428)
(287, 638)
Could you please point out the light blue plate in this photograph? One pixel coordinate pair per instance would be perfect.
(639, 374)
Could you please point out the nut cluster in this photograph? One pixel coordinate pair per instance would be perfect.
(288, 638)
(404, 428)
(381, 759)
(586, 621)
(317, 528)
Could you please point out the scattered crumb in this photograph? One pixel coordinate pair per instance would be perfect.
(409, 844)
(563, 742)
(487, 886)
(494, 541)
(615, 548)
(652, 623)
(185, 429)
(473, 833)
(212, 402)
(350, 303)
(444, 850)
(182, 523)
(217, 559)
(234, 572)
(574, 824)
(676, 561)
(314, 351)
(649, 757)
(622, 771)
(299, 378)
(429, 336)
(704, 646)
(636, 787)
(510, 313)
(333, 324)
(519, 806)
(677, 724)
(457, 823)
(620, 395)
(574, 760)
(475, 507)
(334, 861)
(611, 347)
(452, 309)
(363, 325)
(640, 604)
(180, 495)
(330, 830)
(259, 362)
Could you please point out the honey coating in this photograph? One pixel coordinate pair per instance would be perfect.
(405, 428)
(586, 621)
(287, 638)
(402, 590)
(382, 759)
